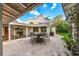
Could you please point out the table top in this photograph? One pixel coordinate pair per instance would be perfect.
(38, 34)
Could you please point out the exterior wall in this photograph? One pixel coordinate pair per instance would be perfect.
(30, 29)
(1, 48)
(48, 30)
(26, 31)
(14, 34)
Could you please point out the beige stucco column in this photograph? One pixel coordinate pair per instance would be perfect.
(1, 41)
(9, 32)
(39, 29)
(48, 30)
(54, 30)
(14, 31)
(26, 31)
(31, 30)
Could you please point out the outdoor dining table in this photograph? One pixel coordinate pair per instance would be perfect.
(39, 37)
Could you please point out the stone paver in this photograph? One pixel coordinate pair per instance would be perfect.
(23, 47)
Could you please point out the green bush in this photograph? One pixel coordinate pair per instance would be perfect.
(64, 28)
(69, 41)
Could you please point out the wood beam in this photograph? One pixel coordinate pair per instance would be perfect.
(5, 25)
(9, 12)
(7, 17)
(23, 5)
(9, 7)
(10, 15)
(6, 21)
(4, 16)
(14, 6)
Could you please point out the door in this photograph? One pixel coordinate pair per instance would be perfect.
(6, 33)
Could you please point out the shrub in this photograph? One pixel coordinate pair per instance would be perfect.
(70, 42)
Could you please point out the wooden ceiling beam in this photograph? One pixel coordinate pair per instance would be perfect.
(6, 20)
(5, 25)
(6, 13)
(9, 16)
(14, 7)
(9, 12)
(4, 16)
(23, 5)
(9, 7)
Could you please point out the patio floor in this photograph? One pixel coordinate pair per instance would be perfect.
(23, 47)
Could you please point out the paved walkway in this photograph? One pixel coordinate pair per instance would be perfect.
(23, 47)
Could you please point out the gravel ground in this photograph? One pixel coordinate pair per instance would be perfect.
(23, 47)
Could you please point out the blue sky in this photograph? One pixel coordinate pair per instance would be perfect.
(49, 10)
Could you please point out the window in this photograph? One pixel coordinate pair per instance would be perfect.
(35, 29)
(43, 29)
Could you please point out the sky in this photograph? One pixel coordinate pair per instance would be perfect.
(50, 10)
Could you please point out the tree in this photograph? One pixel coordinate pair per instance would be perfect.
(60, 24)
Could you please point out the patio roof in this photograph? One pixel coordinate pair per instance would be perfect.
(12, 11)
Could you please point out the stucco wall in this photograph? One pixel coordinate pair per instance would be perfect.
(1, 48)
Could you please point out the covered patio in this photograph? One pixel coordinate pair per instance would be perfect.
(23, 47)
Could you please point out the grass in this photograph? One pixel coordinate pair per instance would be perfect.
(68, 40)
(66, 36)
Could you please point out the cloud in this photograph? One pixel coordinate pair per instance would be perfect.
(34, 12)
(44, 5)
(18, 20)
(53, 6)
